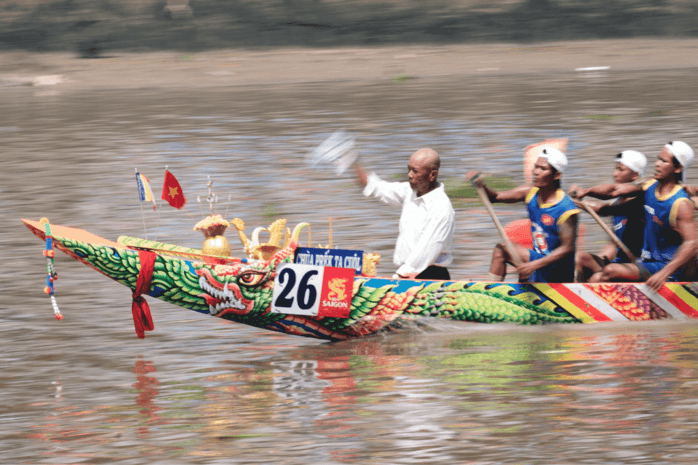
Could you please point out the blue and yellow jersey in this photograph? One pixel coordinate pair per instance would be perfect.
(545, 232)
(547, 218)
(661, 241)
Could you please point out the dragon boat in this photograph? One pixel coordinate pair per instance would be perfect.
(246, 290)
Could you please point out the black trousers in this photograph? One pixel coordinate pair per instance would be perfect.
(435, 272)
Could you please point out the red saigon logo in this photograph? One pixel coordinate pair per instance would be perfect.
(336, 294)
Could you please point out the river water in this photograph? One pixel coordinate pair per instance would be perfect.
(202, 390)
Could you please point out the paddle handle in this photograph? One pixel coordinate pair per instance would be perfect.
(607, 230)
(515, 257)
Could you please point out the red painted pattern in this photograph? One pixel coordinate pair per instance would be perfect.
(580, 303)
(678, 302)
(628, 300)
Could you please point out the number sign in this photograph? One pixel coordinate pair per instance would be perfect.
(313, 291)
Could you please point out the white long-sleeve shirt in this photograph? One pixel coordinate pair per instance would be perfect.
(427, 224)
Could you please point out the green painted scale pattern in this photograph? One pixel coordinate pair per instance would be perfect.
(485, 303)
(171, 275)
(375, 304)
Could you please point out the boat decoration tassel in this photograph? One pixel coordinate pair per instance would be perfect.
(51, 275)
(142, 318)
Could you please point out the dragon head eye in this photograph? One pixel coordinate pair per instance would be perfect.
(252, 278)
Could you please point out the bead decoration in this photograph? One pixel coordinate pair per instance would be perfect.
(51, 274)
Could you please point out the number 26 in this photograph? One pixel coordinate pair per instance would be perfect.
(306, 293)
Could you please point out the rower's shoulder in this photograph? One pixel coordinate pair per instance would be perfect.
(532, 191)
(648, 184)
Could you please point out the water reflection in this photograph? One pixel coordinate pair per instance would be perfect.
(147, 387)
(461, 393)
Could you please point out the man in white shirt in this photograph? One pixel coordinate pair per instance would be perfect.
(427, 223)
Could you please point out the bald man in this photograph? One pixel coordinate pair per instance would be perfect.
(427, 223)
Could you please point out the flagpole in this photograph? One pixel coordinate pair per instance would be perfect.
(157, 225)
(145, 231)
(210, 197)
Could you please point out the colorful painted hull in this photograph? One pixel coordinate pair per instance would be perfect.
(242, 292)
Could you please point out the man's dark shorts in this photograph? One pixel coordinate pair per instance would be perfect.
(647, 269)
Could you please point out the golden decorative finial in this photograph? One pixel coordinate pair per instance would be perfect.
(240, 226)
(370, 261)
(254, 247)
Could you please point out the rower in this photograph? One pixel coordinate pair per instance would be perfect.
(669, 243)
(630, 165)
(553, 218)
(427, 223)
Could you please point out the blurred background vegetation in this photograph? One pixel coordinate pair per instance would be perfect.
(93, 27)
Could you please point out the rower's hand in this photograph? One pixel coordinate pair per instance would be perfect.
(595, 206)
(525, 270)
(584, 204)
(475, 178)
(577, 192)
(657, 280)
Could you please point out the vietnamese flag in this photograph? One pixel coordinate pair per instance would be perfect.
(172, 191)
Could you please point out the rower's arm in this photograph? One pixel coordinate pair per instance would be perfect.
(622, 206)
(686, 227)
(606, 191)
(517, 194)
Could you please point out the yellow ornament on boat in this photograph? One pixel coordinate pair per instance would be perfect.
(216, 245)
(211, 221)
(213, 227)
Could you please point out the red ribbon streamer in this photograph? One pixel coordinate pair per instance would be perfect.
(142, 319)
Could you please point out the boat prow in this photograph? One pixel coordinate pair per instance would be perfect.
(66, 232)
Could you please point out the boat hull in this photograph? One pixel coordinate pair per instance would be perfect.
(242, 292)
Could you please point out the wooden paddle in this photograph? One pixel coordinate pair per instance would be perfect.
(606, 229)
(511, 248)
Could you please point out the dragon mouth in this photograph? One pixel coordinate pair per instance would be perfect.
(223, 298)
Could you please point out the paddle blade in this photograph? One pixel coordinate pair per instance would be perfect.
(338, 150)
(532, 153)
(519, 232)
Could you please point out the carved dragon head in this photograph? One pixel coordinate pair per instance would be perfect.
(234, 291)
